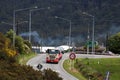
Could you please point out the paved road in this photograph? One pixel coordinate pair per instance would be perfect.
(40, 58)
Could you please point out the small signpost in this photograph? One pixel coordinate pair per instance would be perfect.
(72, 57)
(39, 66)
(107, 75)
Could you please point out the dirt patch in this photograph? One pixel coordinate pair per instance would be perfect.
(74, 70)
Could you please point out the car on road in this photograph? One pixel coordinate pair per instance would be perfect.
(53, 55)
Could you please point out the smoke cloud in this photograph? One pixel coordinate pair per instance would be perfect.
(62, 40)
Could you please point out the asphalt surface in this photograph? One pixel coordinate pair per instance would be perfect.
(40, 59)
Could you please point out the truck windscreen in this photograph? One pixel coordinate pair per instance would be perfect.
(53, 51)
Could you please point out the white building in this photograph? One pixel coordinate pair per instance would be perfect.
(44, 48)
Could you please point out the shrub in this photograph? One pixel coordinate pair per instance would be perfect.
(88, 72)
(14, 71)
(51, 75)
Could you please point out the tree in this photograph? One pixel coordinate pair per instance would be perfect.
(9, 34)
(5, 48)
(28, 46)
(114, 43)
(21, 45)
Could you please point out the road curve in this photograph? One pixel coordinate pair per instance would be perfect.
(40, 58)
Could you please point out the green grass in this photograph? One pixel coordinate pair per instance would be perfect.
(23, 58)
(104, 65)
(74, 72)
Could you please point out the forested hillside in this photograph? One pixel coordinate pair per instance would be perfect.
(47, 28)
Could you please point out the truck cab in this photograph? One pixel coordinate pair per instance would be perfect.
(53, 56)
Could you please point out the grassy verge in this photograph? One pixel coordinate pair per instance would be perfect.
(23, 58)
(101, 65)
(73, 71)
(104, 65)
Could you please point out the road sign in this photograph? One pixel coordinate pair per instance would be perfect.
(72, 56)
(39, 66)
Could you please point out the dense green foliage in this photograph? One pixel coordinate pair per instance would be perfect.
(106, 13)
(6, 48)
(14, 71)
(10, 69)
(49, 74)
(114, 43)
(22, 46)
(100, 67)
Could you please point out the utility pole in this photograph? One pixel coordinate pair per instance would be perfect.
(107, 36)
(93, 27)
(88, 37)
(69, 43)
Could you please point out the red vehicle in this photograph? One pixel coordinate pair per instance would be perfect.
(53, 55)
